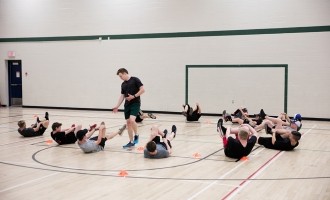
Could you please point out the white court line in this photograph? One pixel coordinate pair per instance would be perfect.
(265, 167)
(239, 188)
(28, 182)
(214, 182)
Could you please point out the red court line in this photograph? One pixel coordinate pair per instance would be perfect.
(249, 177)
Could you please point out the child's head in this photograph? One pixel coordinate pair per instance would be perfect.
(243, 134)
(21, 123)
(151, 146)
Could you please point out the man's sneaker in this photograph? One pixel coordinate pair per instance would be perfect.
(38, 120)
(268, 130)
(46, 116)
(174, 130)
(128, 145)
(152, 116)
(136, 139)
(219, 127)
(92, 127)
(121, 130)
(165, 133)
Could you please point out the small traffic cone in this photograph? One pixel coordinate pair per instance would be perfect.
(123, 173)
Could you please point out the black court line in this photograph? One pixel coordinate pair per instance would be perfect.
(111, 170)
(176, 179)
(40, 144)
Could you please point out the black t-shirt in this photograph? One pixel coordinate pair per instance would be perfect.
(62, 138)
(235, 149)
(59, 137)
(132, 86)
(27, 132)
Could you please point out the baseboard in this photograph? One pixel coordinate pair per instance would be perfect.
(153, 111)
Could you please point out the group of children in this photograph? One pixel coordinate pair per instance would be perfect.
(155, 148)
(283, 130)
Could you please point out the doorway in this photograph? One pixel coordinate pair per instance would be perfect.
(15, 82)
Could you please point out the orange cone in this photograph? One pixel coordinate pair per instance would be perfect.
(140, 149)
(49, 142)
(244, 158)
(197, 155)
(123, 173)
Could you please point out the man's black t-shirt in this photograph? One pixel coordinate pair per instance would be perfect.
(132, 86)
(235, 149)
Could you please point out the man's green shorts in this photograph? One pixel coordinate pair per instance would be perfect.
(132, 109)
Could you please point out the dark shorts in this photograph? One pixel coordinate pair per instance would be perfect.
(157, 141)
(138, 118)
(70, 138)
(132, 109)
(102, 143)
(194, 116)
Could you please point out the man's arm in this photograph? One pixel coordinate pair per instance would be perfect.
(133, 96)
(120, 101)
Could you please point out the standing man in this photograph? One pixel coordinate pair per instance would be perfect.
(131, 90)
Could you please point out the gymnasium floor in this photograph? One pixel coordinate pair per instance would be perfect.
(34, 168)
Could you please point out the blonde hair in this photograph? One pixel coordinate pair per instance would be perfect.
(243, 134)
(21, 123)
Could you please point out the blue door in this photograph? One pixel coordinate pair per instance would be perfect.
(15, 82)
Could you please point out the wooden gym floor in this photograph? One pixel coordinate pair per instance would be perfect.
(32, 168)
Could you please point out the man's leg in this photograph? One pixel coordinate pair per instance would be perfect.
(129, 125)
(130, 129)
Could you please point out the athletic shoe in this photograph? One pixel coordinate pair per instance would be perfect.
(219, 127)
(46, 116)
(174, 130)
(152, 116)
(129, 145)
(165, 133)
(38, 120)
(92, 127)
(121, 130)
(268, 130)
(136, 139)
(262, 114)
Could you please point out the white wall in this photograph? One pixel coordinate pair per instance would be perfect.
(82, 74)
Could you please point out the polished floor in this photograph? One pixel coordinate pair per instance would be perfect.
(37, 168)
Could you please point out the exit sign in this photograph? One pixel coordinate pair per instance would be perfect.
(11, 54)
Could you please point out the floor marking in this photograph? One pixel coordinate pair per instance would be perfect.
(233, 192)
(28, 182)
